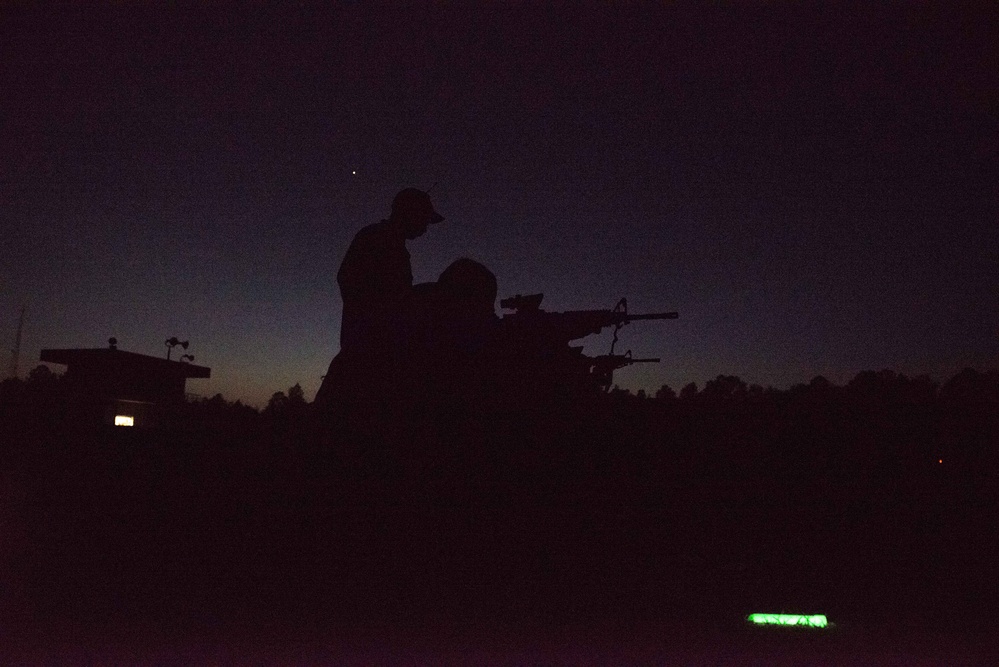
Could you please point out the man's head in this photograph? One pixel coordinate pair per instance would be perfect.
(469, 286)
(412, 209)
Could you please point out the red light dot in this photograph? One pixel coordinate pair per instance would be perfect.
(939, 460)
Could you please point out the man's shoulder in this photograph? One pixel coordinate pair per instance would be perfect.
(380, 239)
(379, 231)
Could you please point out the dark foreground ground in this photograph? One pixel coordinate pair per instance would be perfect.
(279, 545)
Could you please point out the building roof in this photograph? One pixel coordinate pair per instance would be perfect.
(111, 360)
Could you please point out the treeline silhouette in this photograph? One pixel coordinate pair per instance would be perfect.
(873, 502)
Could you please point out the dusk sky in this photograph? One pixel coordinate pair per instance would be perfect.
(815, 191)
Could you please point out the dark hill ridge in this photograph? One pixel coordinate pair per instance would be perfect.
(872, 503)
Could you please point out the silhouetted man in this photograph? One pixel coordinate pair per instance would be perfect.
(460, 325)
(463, 308)
(376, 279)
(378, 328)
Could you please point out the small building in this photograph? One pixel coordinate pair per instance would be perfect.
(123, 388)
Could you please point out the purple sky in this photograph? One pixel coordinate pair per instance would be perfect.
(815, 192)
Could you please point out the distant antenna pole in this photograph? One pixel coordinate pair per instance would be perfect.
(16, 352)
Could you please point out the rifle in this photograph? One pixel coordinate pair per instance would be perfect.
(602, 367)
(545, 336)
(572, 324)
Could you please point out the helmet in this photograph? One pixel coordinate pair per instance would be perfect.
(417, 201)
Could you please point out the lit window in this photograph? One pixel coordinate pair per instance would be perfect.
(124, 420)
(810, 621)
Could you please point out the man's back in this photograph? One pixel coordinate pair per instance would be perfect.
(375, 280)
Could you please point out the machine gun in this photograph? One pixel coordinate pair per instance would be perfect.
(544, 337)
(571, 324)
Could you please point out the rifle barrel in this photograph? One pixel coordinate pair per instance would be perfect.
(626, 359)
(653, 316)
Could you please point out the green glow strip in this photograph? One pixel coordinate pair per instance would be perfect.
(812, 621)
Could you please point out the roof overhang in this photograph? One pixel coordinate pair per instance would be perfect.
(111, 360)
